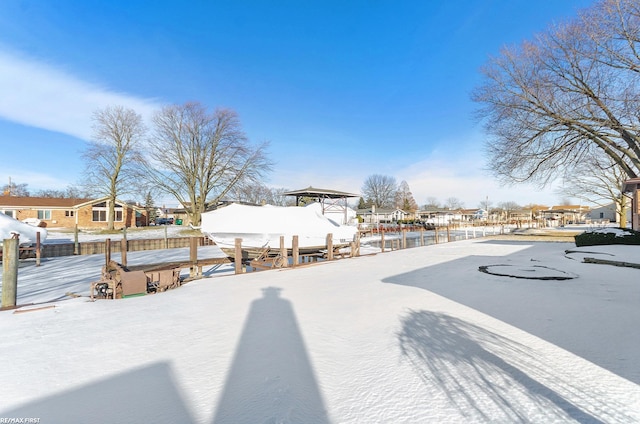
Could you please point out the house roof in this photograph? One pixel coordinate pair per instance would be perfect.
(52, 202)
(34, 202)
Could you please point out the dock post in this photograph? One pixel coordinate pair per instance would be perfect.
(283, 253)
(193, 257)
(237, 257)
(421, 236)
(436, 233)
(295, 252)
(10, 255)
(382, 240)
(330, 247)
(404, 238)
(448, 233)
(76, 246)
(107, 251)
(123, 251)
(38, 248)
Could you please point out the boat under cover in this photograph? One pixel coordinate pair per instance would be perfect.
(262, 226)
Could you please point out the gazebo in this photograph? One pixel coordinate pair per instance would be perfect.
(332, 201)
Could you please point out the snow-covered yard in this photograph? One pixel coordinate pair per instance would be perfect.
(416, 335)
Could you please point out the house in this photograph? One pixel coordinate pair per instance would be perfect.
(375, 215)
(67, 213)
(607, 213)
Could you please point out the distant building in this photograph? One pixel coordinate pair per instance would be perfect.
(375, 215)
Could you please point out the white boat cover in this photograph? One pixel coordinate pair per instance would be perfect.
(262, 226)
(9, 226)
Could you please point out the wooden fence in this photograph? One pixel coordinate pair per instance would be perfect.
(96, 247)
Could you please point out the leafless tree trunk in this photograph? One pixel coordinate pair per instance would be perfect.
(548, 103)
(380, 190)
(112, 159)
(198, 156)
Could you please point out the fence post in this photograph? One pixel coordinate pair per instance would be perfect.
(10, 255)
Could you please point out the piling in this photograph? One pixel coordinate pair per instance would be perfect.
(38, 248)
(329, 247)
(295, 251)
(107, 251)
(283, 252)
(10, 256)
(193, 257)
(123, 251)
(238, 256)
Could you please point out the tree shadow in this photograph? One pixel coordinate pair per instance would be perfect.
(271, 379)
(144, 395)
(458, 358)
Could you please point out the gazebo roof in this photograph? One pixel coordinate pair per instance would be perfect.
(320, 192)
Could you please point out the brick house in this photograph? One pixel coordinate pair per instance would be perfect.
(67, 213)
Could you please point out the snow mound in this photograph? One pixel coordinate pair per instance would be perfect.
(27, 233)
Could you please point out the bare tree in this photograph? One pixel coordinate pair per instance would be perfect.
(598, 180)
(380, 190)
(432, 203)
(260, 194)
(453, 203)
(17, 190)
(71, 192)
(549, 102)
(198, 156)
(404, 198)
(112, 159)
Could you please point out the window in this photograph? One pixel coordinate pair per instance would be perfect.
(44, 214)
(100, 213)
(9, 213)
(69, 214)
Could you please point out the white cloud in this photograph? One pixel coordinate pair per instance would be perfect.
(40, 95)
(463, 177)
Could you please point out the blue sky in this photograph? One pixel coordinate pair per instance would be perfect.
(341, 90)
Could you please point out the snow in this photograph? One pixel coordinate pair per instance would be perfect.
(10, 226)
(415, 335)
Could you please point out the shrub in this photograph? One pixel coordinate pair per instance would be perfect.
(604, 236)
